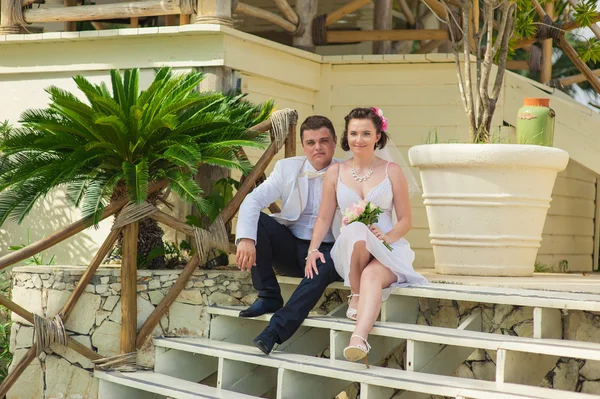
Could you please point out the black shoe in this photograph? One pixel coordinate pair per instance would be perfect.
(262, 306)
(266, 340)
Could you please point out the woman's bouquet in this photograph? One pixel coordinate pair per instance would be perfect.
(365, 212)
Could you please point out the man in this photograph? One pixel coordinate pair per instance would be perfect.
(282, 240)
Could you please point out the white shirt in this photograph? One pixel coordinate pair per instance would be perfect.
(303, 227)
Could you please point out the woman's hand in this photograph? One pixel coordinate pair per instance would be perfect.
(311, 264)
(379, 234)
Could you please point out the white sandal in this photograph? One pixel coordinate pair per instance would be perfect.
(351, 313)
(354, 353)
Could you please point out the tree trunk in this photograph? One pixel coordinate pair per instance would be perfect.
(306, 10)
(382, 21)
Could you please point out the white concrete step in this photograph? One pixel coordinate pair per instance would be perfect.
(301, 376)
(494, 295)
(445, 336)
(149, 385)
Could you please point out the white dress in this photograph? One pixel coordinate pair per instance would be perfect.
(399, 260)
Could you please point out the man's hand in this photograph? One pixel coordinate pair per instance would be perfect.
(246, 254)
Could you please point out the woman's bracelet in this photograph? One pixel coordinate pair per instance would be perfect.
(310, 251)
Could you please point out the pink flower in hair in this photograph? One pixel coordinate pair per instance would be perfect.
(384, 121)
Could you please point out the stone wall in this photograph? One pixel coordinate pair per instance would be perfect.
(95, 320)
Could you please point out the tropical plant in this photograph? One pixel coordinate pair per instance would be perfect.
(492, 39)
(117, 144)
(36, 259)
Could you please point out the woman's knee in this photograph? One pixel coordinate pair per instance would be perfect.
(360, 246)
(371, 273)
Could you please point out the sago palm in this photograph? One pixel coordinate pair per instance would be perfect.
(119, 143)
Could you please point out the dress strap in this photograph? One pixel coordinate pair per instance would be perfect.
(386, 168)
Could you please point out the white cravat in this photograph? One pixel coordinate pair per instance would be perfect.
(312, 174)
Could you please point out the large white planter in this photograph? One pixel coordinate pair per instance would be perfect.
(487, 204)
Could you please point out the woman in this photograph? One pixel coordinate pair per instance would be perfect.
(360, 253)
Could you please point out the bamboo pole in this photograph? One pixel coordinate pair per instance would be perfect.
(376, 35)
(344, 10)
(438, 8)
(89, 273)
(382, 20)
(408, 15)
(567, 26)
(14, 375)
(595, 28)
(231, 208)
(129, 288)
(252, 11)
(260, 128)
(172, 222)
(306, 11)
(69, 231)
(146, 8)
(164, 305)
(287, 11)
(546, 72)
(571, 53)
(571, 80)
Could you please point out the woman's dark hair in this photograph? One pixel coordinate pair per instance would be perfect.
(364, 113)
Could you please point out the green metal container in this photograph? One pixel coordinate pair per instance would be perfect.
(535, 122)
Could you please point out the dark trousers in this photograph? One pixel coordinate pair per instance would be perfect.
(277, 247)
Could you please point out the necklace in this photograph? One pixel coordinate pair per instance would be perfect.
(366, 176)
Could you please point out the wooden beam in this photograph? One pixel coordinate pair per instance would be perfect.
(382, 20)
(287, 11)
(59, 236)
(173, 223)
(147, 8)
(259, 168)
(89, 273)
(129, 288)
(344, 10)
(571, 80)
(583, 68)
(164, 305)
(70, 26)
(256, 12)
(378, 35)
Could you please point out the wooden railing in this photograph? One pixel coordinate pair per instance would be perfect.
(131, 339)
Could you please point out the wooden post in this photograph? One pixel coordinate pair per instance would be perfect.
(164, 305)
(306, 11)
(129, 288)
(7, 24)
(382, 21)
(214, 12)
(546, 72)
(290, 141)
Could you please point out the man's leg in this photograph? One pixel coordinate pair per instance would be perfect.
(286, 321)
(275, 245)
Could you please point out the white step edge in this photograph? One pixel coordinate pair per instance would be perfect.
(377, 376)
(166, 385)
(493, 295)
(446, 336)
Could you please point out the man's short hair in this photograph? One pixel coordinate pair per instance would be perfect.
(316, 122)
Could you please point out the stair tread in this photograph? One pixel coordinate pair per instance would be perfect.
(447, 336)
(166, 385)
(495, 295)
(378, 376)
